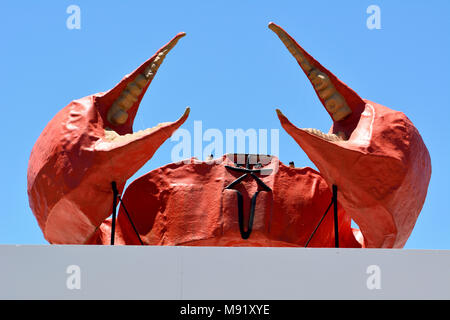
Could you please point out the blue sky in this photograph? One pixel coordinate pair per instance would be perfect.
(231, 70)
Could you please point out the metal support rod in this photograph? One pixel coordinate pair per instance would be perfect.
(336, 225)
(131, 221)
(317, 227)
(336, 232)
(113, 225)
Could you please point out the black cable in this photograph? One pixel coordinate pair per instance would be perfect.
(114, 213)
(317, 227)
(131, 221)
(113, 225)
(336, 226)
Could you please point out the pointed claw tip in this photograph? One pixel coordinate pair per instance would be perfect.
(274, 27)
(185, 115)
(279, 113)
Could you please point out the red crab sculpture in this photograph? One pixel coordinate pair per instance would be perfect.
(372, 154)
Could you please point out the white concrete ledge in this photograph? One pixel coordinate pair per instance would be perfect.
(134, 272)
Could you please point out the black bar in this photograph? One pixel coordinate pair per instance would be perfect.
(336, 225)
(131, 221)
(235, 182)
(317, 227)
(113, 225)
(261, 183)
(245, 234)
(240, 169)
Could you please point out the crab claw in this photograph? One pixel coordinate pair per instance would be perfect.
(374, 155)
(86, 146)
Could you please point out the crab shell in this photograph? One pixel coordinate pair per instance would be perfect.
(373, 154)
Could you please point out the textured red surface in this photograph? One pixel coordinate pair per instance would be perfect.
(186, 204)
(72, 164)
(382, 172)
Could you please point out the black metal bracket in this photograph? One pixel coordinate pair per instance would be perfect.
(116, 196)
(245, 234)
(113, 225)
(333, 203)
